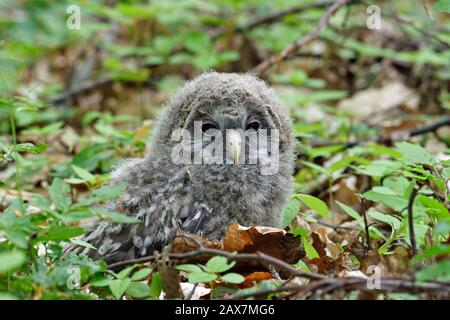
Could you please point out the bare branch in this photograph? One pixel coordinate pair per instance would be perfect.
(266, 64)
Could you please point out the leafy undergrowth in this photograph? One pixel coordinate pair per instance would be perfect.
(370, 215)
(373, 188)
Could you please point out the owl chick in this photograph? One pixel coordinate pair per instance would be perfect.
(207, 168)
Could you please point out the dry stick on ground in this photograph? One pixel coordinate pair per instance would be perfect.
(412, 235)
(387, 284)
(238, 257)
(388, 140)
(271, 18)
(405, 284)
(266, 64)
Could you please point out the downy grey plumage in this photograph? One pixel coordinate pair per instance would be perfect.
(198, 198)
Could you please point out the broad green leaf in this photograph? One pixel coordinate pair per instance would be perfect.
(119, 286)
(200, 277)
(141, 274)
(189, 268)
(114, 216)
(434, 251)
(101, 282)
(352, 213)
(439, 271)
(138, 290)
(316, 167)
(389, 219)
(233, 278)
(387, 196)
(156, 286)
(415, 154)
(290, 211)
(7, 296)
(58, 194)
(83, 244)
(102, 194)
(219, 264)
(11, 260)
(125, 272)
(446, 173)
(442, 6)
(60, 233)
(311, 253)
(315, 204)
(83, 173)
(29, 147)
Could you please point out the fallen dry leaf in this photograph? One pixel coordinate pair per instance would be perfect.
(255, 277)
(272, 241)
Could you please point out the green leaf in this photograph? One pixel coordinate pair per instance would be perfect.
(119, 286)
(125, 272)
(83, 174)
(101, 282)
(442, 6)
(138, 290)
(189, 268)
(200, 277)
(446, 173)
(315, 204)
(29, 147)
(219, 264)
(311, 253)
(7, 296)
(352, 213)
(11, 260)
(290, 211)
(83, 244)
(114, 216)
(56, 233)
(386, 218)
(434, 251)
(233, 278)
(415, 154)
(156, 286)
(439, 271)
(141, 274)
(197, 41)
(58, 194)
(102, 194)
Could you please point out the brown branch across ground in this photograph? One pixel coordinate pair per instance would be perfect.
(259, 257)
(387, 140)
(412, 235)
(270, 18)
(387, 284)
(318, 283)
(261, 68)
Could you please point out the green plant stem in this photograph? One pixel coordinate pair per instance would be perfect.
(15, 153)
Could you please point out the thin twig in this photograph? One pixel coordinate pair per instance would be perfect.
(387, 140)
(266, 64)
(238, 257)
(189, 296)
(412, 235)
(271, 18)
(387, 284)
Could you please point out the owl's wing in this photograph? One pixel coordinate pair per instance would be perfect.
(161, 197)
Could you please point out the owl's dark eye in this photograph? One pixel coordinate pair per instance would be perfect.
(208, 126)
(252, 125)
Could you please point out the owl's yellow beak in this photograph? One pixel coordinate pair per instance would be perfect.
(234, 142)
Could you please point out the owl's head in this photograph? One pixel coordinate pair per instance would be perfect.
(228, 117)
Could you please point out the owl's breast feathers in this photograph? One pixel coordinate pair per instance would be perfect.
(167, 198)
